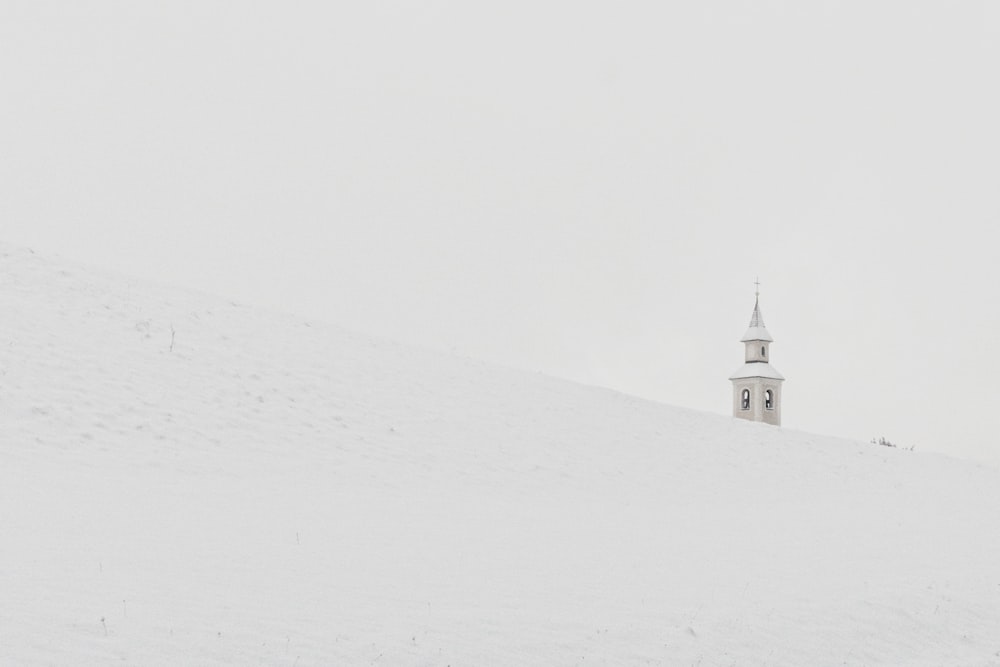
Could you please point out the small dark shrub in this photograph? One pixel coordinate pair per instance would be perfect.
(885, 443)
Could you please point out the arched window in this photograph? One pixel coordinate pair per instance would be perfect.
(745, 401)
(769, 400)
(763, 350)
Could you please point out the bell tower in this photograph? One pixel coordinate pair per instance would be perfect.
(756, 384)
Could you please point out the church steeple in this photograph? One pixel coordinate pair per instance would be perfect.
(756, 384)
(756, 331)
(755, 319)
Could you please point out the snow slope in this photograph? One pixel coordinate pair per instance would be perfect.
(281, 492)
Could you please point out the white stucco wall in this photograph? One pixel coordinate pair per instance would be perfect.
(757, 411)
(753, 351)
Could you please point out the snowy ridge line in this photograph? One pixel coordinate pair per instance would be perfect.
(184, 481)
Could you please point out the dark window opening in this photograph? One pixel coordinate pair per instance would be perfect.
(745, 402)
(769, 400)
(763, 351)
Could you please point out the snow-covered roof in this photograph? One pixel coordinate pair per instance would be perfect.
(756, 369)
(756, 330)
(757, 333)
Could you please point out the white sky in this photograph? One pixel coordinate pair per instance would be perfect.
(582, 188)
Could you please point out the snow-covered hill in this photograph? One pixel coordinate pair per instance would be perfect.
(185, 480)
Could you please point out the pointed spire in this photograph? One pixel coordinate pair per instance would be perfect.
(756, 320)
(757, 330)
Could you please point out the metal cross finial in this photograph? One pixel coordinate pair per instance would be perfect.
(756, 281)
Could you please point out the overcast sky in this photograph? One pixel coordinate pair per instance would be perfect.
(586, 189)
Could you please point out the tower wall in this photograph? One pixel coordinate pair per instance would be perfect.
(757, 350)
(758, 411)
